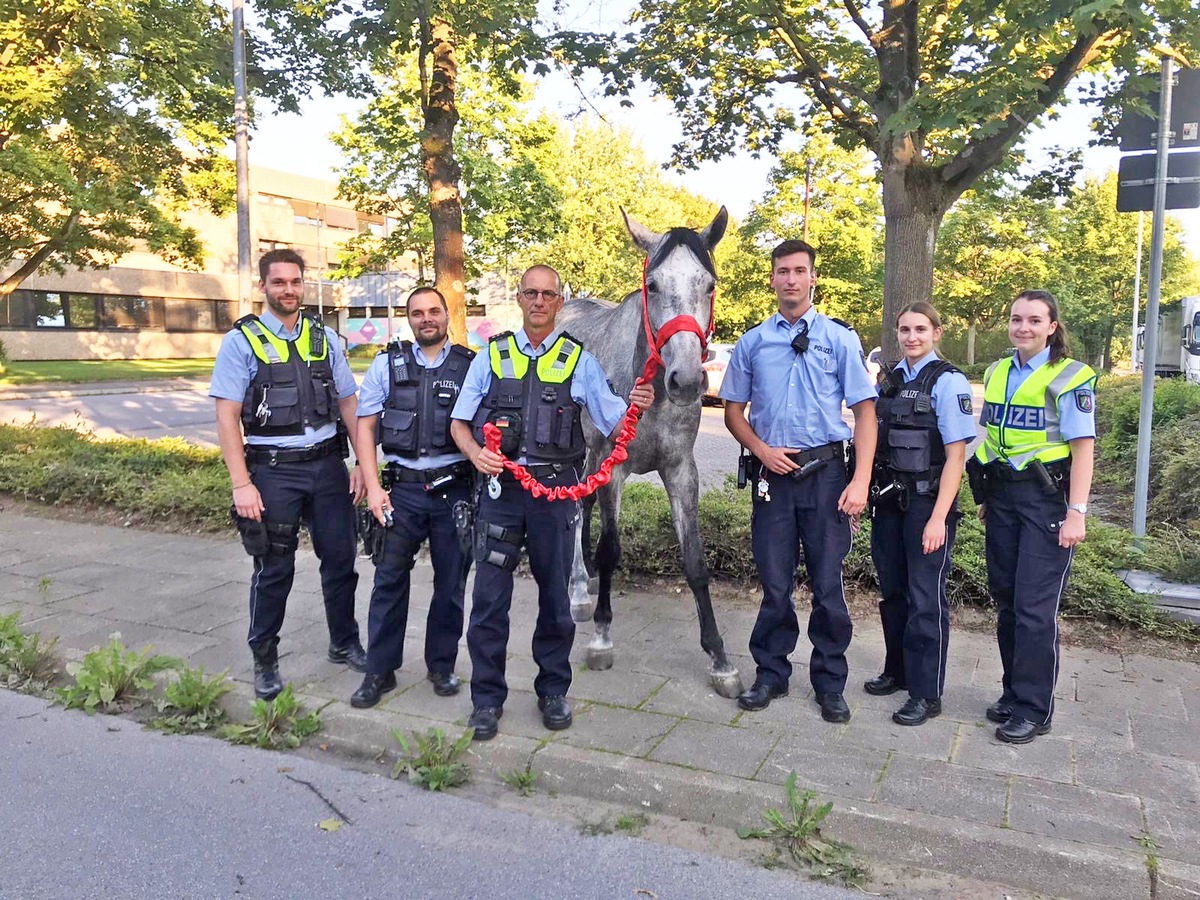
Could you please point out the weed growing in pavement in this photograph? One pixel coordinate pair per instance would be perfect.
(112, 677)
(44, 584)
(592, 829)
(799, 833)
(1148, 844)
(523, 781)
(432, 759)
(193, 702)
(631, 823)
(277, 724)
(27, 663)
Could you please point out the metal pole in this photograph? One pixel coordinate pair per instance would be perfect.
(241, 141)
(1141, 483)
(807, 191)
(1137, 293)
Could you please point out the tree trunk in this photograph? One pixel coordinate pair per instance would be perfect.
(971, 330)
(33, 262)
(443, 172)
(913, 213)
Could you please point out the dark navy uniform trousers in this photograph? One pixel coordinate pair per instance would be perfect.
(316, 492)
(914, 609)
(419, 515)
(801, 513)
(1027, 574)
(549, 528)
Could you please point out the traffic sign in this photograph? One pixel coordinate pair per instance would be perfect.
(1139, 132)
(1135, 185)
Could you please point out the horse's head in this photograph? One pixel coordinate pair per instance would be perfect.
(680, 279)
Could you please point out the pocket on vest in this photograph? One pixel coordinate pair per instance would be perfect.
(399, 428)
(908, 450)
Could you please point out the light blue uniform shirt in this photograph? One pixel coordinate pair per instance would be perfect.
(237, 365)
(949, 392)
(796, 398)
(1074, 421)
(589, 386)
(374, 393)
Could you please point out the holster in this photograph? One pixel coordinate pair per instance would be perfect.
(373, 535)
(464, 524)
(253, 534)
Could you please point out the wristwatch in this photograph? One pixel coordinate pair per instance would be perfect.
(1080, 508)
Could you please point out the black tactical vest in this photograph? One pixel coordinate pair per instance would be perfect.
(288, 395)
(910, 445)
(416, 416)
(530, 400)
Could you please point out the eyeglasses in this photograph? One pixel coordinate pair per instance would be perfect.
(532, 294)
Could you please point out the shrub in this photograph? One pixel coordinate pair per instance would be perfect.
(365, 351)
(432, 759)
(193, 702)
(26, 661)
(112, 677)
(277, 724)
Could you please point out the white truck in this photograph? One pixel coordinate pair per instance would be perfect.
(1178, 340)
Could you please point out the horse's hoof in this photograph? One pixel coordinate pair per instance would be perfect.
(599, 658)
(583, 612)
(727, 684)
(594, 584)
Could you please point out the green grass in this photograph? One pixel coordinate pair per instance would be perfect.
(82, 371)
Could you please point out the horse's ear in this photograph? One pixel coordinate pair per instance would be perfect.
(716, 229)
(643, 237)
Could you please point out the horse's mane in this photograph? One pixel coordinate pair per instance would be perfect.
(683, 237)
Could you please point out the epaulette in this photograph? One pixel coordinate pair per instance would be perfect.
(841, 322)
(462, 349)
(501, 336)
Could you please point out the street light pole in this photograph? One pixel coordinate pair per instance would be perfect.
(1137, 295)
(241, 141)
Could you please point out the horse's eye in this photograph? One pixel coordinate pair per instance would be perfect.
(652, 286)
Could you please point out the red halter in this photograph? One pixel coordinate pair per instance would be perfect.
(620, 453)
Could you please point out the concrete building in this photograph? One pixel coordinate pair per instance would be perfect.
(143, 307)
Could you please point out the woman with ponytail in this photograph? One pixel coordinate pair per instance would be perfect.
(1031, 477)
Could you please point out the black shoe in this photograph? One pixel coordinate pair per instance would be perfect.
(1000, 711)
(445, 684)
(352, 655)
(833, 708)
(556, 712)
(372, 688)
(882, 685)
(916, 711)
(760, 695)
(1020, 731)
(486, 721)
(267, 683)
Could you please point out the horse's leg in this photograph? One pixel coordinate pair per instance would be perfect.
(583, 564)
(608, 555)
(683, 488)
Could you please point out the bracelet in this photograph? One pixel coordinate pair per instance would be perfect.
(238, 487)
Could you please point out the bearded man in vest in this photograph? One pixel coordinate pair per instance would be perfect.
(405, 403)
(534, 385)
(281, 377)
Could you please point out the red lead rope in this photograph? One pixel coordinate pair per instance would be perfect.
(620, 453)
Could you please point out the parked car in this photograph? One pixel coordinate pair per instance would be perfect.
(715, 363)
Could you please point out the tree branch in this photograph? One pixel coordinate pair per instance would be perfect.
(978, 156)
(857, 17)
(34, 262)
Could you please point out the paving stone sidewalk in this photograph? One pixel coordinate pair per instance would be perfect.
(1062, 815)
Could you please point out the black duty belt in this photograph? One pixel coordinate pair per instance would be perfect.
(405, 475)
(832, 450)
(1002, 471)
(256, 454)
(541, 470)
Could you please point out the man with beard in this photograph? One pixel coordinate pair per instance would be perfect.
(281, 377)
(408, 395)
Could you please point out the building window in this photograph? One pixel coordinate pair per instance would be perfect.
(33, 309)
(81, 311)
(266, 246)
(131, 312)
(198, 315)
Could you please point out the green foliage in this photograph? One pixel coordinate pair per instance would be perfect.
(145, 480)
(797, 830)
(365, 351)
(631, 824)
(26, 661)
(193, 702)
(111, 678)
(277, 724)
(523, 781)
(111, 126)
(432, 759)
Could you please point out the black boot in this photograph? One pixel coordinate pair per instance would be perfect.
(267, 683)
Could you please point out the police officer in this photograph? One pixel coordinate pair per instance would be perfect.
(534, 386)
(405, 403)
(282, 379)
(1036, 467)
(795, 370)
(925, 421)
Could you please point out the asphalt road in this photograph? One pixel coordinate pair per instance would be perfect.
(189, 414)
(97, 807)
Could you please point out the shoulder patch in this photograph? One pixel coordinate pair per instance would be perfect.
(1085, 400)
(964, 404)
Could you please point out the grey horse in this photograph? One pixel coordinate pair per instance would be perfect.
(680, 279)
